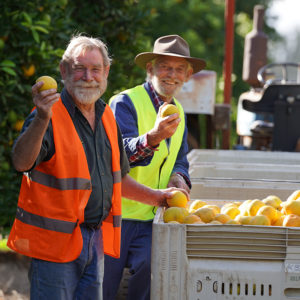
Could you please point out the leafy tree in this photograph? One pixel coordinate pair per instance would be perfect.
(34, 34)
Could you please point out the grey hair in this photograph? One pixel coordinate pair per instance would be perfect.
(80, 43)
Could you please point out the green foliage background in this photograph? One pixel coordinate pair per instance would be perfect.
(35, 33)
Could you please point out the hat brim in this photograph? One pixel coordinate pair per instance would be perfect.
(143, 58)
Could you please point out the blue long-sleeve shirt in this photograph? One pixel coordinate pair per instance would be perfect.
(137, 149)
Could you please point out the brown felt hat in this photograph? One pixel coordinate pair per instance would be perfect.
(170, 45)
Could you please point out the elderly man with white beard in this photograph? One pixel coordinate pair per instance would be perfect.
(156, 148)
(75, 170)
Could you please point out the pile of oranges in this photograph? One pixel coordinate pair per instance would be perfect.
(270, 211)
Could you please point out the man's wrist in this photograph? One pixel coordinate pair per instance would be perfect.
(182, 176)
(150, 143)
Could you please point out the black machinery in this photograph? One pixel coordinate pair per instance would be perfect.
(268, 116)
(272, 113)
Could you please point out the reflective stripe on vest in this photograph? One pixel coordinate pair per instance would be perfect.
(54, 195)
(157, 173)
(45, 223)
(62, 184)
(59, 183)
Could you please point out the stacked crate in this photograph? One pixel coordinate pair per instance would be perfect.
(210, 262)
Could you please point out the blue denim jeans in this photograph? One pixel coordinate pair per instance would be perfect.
(136, 240)
(80, 279)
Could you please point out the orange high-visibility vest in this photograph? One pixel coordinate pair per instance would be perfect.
(53, 196)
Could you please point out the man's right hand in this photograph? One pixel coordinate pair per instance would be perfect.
(44, 101)
(164, 128)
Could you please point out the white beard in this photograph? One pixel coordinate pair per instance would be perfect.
(86, 92)
(161, 90)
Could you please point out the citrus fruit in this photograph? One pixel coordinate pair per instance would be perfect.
(231, 211)
(175, 214)
(244, 220)
(254, 206)
(292, 207)
(195, 205)
(216, 208)
(223, 218)
(49, 83)
(233, 222)
(28, 70)
(169, 109)
(260, 220)
(206, 214)
(215, 222)
(269, 211)
(291, 221)
(279, 221)
(294, 196)
(178, 199)
(273, 201)
(190, 219)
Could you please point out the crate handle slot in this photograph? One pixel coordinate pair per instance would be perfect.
(292, 293)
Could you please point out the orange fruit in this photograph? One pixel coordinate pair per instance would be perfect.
(28, 70)
(169, 109)
(231, 211)
(292, 207)
(178, 199)
(206, 214)
(291, 221)
(216, 222)
(223, 218)
(196, 204)
(260, 220)
(254, 206)
(294, 196)
(175, 214)
(216, 208)
(191, 219)
(269, 211)
(49, 83)
(233, 222)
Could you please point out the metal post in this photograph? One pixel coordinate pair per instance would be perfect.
(227, 70)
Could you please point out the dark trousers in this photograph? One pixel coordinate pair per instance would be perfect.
(136, 255)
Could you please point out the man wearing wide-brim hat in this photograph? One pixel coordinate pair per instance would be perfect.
(156, 148)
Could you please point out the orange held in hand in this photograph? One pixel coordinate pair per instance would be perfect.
(169, 109)
(178, 199)
(49, 83)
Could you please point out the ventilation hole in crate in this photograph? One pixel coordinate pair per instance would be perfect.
(254, 289)
(270, 290)
(238, 289)
(173, 264)
(163, 260)
(262, 290)
(230, 288)
(246, 289)
(223, 288)
(199, 286)
(215, 287)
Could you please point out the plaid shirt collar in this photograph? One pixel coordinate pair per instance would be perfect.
(156, 99)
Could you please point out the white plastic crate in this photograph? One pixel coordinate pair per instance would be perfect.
(217, 262)
(244, 171)
(241, 189)
(244, 156)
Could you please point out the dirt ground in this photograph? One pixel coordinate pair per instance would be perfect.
(14, 283)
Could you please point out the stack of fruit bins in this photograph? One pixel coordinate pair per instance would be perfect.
(242, 156)
(207, 262)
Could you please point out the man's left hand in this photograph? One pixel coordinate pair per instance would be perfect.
(178, 181)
